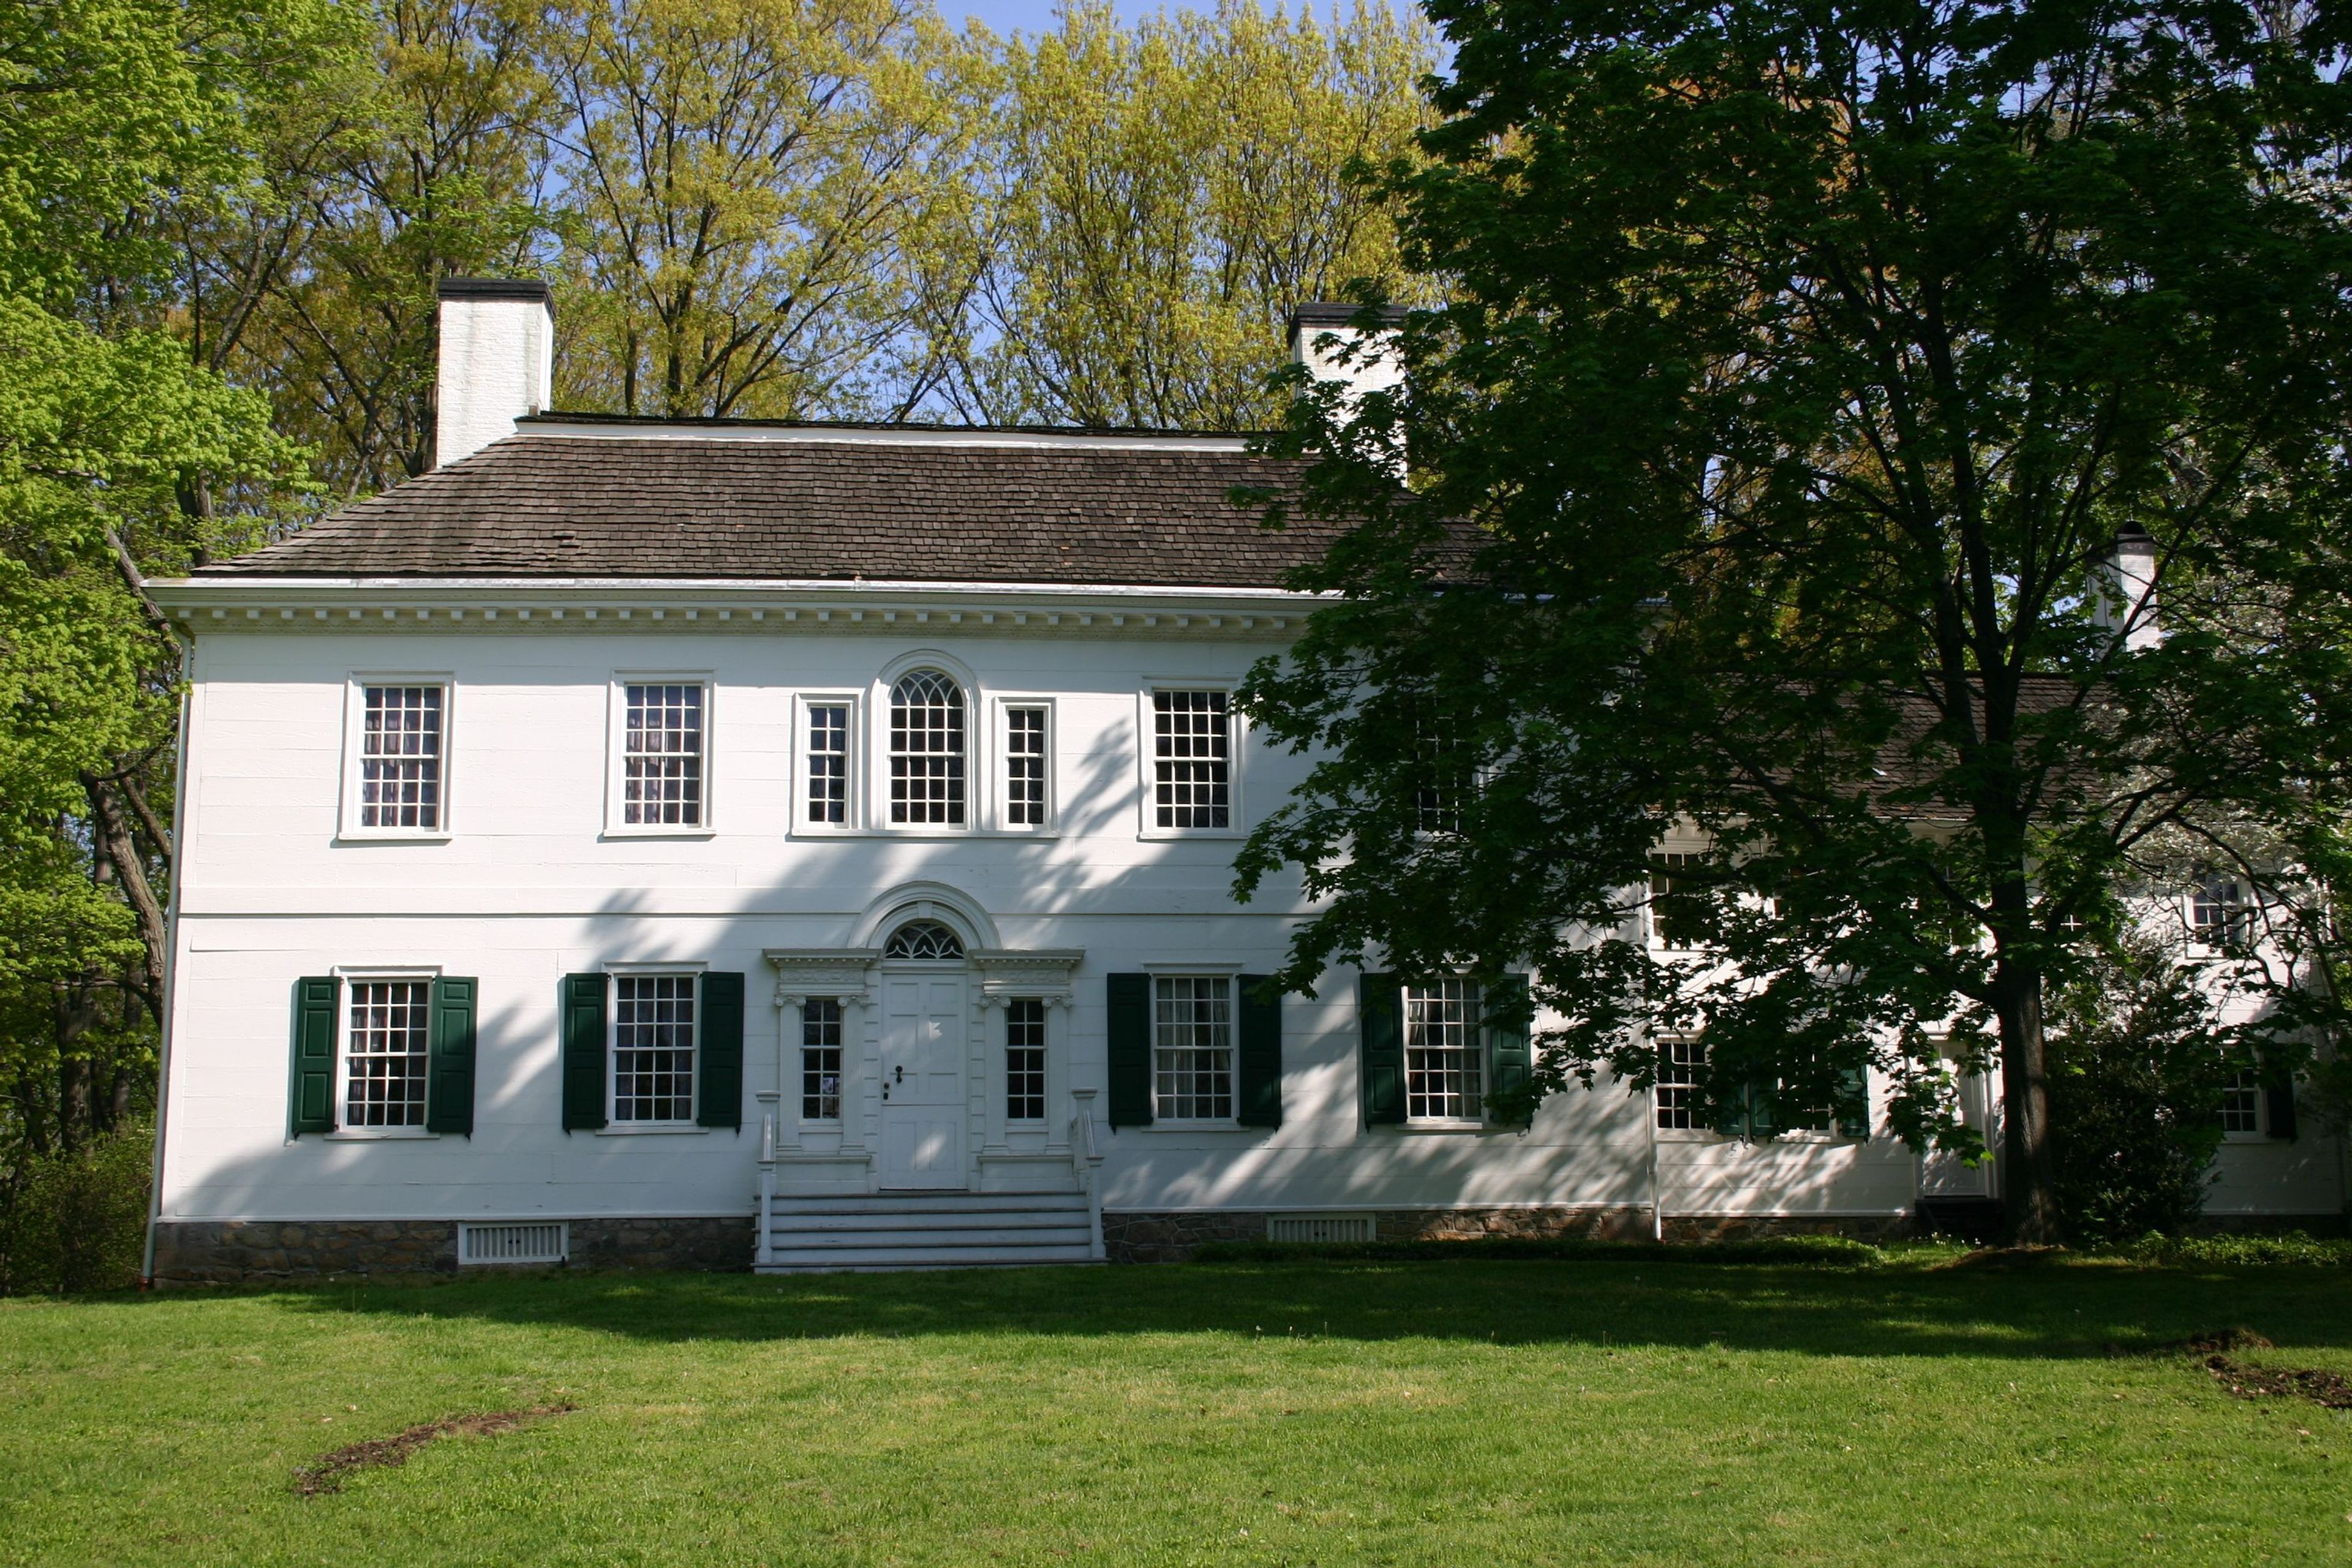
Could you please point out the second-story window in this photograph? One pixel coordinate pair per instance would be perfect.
(828, 764)
(2219, 916)
(1024, 767)
(927, 750)
(662, 756)
(400, 757)
(1191, 759)
(1677, 904)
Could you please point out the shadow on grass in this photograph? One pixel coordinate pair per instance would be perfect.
(2058, 1311)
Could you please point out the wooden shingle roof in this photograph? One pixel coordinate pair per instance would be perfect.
(921, 509)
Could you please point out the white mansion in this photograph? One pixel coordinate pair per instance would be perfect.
(712, 843)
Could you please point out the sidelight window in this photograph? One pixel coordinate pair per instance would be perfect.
(821, 1059)
(1024, 1059)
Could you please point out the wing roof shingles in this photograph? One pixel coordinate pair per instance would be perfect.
(908, 511)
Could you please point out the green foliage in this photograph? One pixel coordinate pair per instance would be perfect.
(1768, 457)
(77, 1221)
(2295, 1248)
(1833, 1251)
(1424, 1416)
(2139, 1060)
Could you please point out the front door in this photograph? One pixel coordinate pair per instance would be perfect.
(922, 1078)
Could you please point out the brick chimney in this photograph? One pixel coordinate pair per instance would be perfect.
(497, 362)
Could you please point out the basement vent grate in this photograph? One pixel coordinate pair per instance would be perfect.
(1319, 1228)
(540, 1242)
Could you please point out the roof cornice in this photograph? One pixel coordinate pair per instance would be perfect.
(226, 601)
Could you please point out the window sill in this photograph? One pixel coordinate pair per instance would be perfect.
(1163, 1124)
(1171, 835)
(373, 836)
(380, 1135)
(818, 834)
(627, 833)
(654, 1129)
(1453, 1127)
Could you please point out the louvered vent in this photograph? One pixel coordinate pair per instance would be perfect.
(539, 1242)
(1319, 1228)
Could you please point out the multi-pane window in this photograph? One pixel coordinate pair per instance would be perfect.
(400, 757)
(1191, 759)
(1193, 1047)
(1024, 767)
(2242, 1104)
(1677, 904)
(1444, 1065)
(2218, 914)
(1024, 1059)
(927, 750)
(1443, 781)
(821, 1059)
(1680, 1063)
(828, 764)
(385, 1053)
(652, 1047)
(661, 757)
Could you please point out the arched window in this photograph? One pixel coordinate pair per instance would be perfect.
(923, 939)
(926, 749)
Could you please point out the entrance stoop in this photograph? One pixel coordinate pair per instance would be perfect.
(927, 1230)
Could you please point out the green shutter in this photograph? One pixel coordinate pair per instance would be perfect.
(1506, 1038)
(311, 1096)
(583, 1052)
(1129, 1028)
(1763, 1112)
(450, 1077)
(2278, 1104)
(1258, 1074)
(1731, 1116)
(721, 1102)
(1380, 1004)
(1853, 1105)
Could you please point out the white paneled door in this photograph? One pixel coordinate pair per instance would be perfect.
(922, 1078)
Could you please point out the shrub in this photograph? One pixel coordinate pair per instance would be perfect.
(77, 1221)
(2293, 1248)
(2137, 1063)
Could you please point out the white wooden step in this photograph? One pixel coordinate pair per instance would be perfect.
(928, 1230)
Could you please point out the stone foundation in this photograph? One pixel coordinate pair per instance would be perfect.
(1873, 1228)
(1171, 1237)
(228, 1252)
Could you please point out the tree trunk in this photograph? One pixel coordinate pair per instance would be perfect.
(112, 836)
(2029, 1164)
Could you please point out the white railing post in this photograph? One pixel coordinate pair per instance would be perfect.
(763, 1254)
(1084, 1159)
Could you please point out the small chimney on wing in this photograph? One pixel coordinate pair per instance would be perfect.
(496, 362)
(2125, 584)
(1321, 330)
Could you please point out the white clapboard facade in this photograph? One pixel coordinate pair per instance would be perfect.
(701, 844)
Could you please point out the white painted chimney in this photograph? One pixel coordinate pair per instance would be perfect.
(1321, 330)
(497, 364)
(2125, 583)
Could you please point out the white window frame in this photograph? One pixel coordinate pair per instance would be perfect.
(616, 740)
(378, 974)
(1000, 725)
(978, 754)
(2238, 926)
(804, 769)
(1044, 1049)
(1147, 747)
(1231, 975)
(613, 975)
(1699, 1130)
(355, 738)
(800, 1050)
(2251, 1083)
(1481, 1048)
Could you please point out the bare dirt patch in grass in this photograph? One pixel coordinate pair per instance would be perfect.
(327, 1474)
(2329, 1390)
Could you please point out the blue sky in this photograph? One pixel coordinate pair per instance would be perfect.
(1038, 15)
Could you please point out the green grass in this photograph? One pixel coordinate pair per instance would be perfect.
(1468, 1413)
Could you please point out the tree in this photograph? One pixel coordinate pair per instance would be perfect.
(751, 184)
(1804, 363)
(1159, 197)
(116, 114)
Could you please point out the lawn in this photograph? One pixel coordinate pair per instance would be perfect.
(1456, 1413)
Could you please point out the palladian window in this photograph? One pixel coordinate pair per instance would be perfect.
(927, 750)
